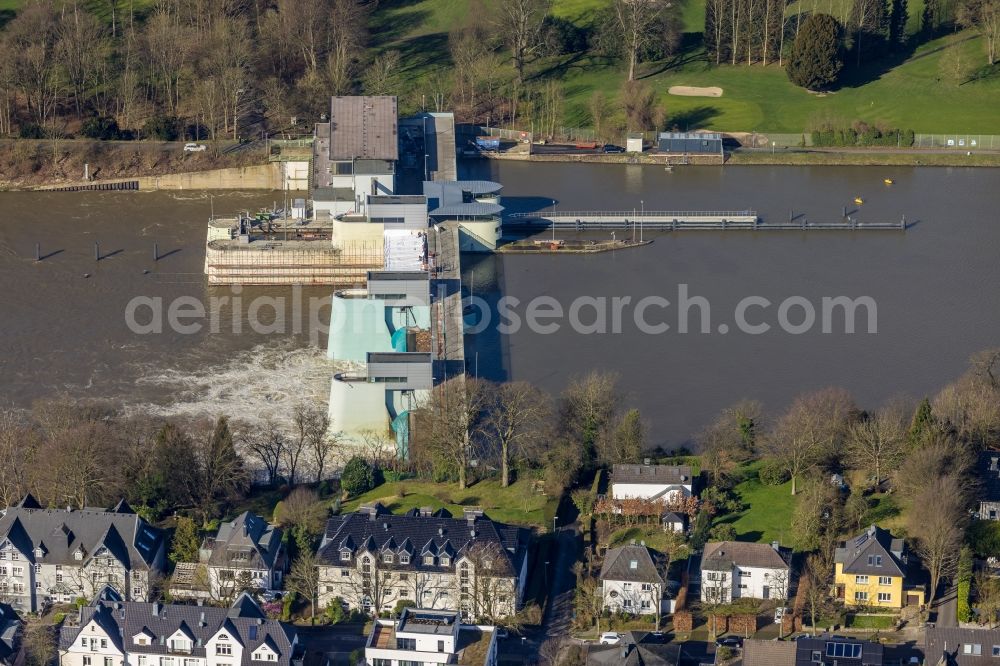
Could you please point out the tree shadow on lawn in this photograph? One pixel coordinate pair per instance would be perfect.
(386, 28)
(424, 51)
(578, 61)
(694, 117)
(690, 50)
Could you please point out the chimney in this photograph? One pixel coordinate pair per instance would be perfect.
(993, 463)
(156, 609)
(776, 546)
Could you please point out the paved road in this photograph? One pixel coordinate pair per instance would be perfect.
(945, 609)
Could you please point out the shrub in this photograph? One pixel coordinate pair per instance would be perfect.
(358, 477)
(100, 128)
(335, 613)
(773, 474)
(401, 604)
(164, 128)
(723, 532)
(31, 131)
(964, 585)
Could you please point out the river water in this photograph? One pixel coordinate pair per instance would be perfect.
(935, 287)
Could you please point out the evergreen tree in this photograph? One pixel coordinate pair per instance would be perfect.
(358, 477)
(185, 542)
(922, 424)
(897, 24)
(815, 62)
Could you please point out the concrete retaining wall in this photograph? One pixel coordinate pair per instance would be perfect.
(262, 177)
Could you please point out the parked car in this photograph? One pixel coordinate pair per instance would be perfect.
(734, 642)
(610, 148)
(610, 638)
(194, 147)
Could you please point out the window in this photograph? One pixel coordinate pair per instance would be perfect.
(83, 642)
(440, 646)
(861, 580)
(142, 660)
(345, 572)
(996, 650)
(884, 597)
(3, 555)
(429, 559)
(885, 580)
(108, 661)
(627, 603)
(744, 586)
(18, 571)
(86, 660)
(972, 648)
(38, 584)
(404, 558)
(166, 661)
(849, 650)
(136, 591)
(78, 555)
(745, 574)
(387, 557)
(58, 577)
(645, 604)
(860, 596)
(404, 593)
(15, 556)
(403, 576)
(817, 657)
(626, 586)
(646, 587)
(633, 564)
(223, 649)
(19, 588)
(104, 643)
(445, 561)
(345, 556)
(38, 568)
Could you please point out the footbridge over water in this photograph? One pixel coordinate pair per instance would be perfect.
(717, 220)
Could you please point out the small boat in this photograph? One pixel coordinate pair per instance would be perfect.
(858, 200)
(887, 181)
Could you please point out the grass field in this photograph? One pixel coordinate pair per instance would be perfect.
(768, 513)
(518, 504)
(918, 94)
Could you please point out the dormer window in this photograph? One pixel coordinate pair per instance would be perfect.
(404, 558)
(345, 556)
(445, 560)
(387, 557)
(39, 552)
(429, 560)
(78, 555)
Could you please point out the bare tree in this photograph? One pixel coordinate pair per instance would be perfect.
(18, 443)
(304, 580)
(308, 433)
(382, 75)
(810, 431)
(635, 22)
(877, 443)
(515, 417)
(983, 16)
(265, 444)
(817, 575)
(453, 417)
(730, 439)
(519, 22)
(587, 408)
(938, 528)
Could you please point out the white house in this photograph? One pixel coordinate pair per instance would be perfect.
(632, 580)
(430, 637)
(112, 632)
(734, 570)
(245, 553)
(651, 482)
(58, 555)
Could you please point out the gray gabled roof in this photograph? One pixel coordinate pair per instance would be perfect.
(658, 474)
(417, 533)
(244, 622)
(723, 555)
(858, 555)
(631, 563)
(758, 652)
(59, 533)
(946, 645)
(10, 633)
(248, 534)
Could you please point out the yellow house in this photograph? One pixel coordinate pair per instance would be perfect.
(870, 570)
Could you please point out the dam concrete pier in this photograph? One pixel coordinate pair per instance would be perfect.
(743, 220)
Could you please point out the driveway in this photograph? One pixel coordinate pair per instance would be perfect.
(944, 612)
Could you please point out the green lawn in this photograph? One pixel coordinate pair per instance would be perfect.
(768, 513)
(918, 94)
(518, 504)
(870, 621)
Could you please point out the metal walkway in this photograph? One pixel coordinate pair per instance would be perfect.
(746, 220)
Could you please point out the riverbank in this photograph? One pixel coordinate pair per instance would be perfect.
(28, 164)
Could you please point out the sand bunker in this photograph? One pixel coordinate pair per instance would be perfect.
(694, 91)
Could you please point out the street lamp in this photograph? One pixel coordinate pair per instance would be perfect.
(642, 205)
(553, 220)
(554, 519)
(772, 147)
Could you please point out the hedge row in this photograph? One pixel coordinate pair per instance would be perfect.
(862, 135)
(964, 585)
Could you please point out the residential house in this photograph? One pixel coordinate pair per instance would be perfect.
(11, 627)
(637, 648)
(871, 570)
(651, 482)
(58, 555)
(111, 632)
(632, 580)
(246, 553)
(760, 652)
(827, 650)
(422, 636)
(735, 570)
(373, 559)
(674, 522)
(952, 646)
(988, 493)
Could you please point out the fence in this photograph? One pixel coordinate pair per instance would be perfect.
(957, 141)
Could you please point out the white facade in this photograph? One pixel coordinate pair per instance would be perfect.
(633, 597)
(438, 637)
(651, 491)
(744, 582)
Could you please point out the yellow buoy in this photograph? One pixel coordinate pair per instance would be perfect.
(858, 200)
(887, 181)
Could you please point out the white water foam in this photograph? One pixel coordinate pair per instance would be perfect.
(252, 387)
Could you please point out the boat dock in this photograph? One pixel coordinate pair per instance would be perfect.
(745, 220)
